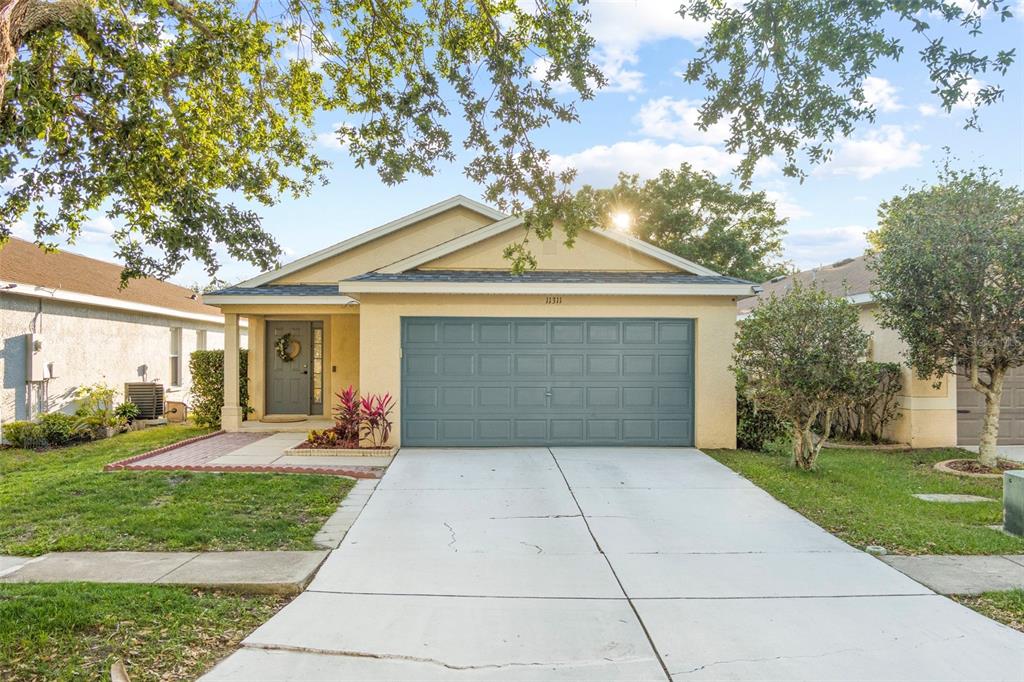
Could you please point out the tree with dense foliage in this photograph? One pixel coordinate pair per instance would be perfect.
(799, 356)
(790, 76)
(949, 277)
(691, 214)
(170, 116)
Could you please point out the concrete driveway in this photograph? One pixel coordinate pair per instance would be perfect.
(607, 564)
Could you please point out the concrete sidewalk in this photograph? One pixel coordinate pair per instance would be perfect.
(962, 574)
(261, 572)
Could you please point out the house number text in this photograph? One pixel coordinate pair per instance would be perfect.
(553, 300)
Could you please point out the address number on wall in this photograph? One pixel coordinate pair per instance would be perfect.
(553, 300)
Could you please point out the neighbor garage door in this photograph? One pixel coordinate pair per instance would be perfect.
(970, 408)
(529, 381)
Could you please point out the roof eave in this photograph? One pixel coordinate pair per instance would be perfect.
(264, 299)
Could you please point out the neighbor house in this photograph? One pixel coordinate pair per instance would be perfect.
(947, 415)
(613, 341)
(66, 323)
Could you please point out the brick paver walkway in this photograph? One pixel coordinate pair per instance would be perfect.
(198, 454)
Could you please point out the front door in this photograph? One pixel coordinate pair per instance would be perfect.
(288, 356)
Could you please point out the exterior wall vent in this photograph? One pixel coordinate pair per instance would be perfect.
(149, 398)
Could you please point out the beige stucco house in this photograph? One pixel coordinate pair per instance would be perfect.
(929, 416)
(613, 341)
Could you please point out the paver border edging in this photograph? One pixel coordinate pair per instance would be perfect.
(121, 463)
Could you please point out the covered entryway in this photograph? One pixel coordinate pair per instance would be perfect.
(970, 411)
(294, 352)
(566, 381)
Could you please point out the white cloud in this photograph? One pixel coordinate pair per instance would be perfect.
(785, 207)
(621, 27)
(971, 89)
(927, 110)
(884, 149)
(21, 229)
(330, 140)
(98, 230)
(811, 247)
(676, 119)
(881, 94)
(601, 164)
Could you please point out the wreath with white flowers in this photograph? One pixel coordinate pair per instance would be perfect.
(283, 347)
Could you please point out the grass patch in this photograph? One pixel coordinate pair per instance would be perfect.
(62, 500)
(1006, 607)
(75, 631)
(864, 497)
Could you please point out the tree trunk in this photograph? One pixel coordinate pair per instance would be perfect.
(987, 451)
(20, 18)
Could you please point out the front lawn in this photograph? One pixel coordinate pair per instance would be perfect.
(62, 500)
(864, 497)
(75, 631)
(1006, 607)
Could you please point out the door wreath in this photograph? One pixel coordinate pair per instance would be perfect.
(287, 348)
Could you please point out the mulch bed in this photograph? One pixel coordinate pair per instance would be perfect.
(972, 467)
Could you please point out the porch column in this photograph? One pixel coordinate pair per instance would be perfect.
(231, 413)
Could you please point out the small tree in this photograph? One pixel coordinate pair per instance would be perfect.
(949, 263)
(799, 356)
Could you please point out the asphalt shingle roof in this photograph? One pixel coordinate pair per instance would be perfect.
(546, 276)
(846, 278)
(280, 290)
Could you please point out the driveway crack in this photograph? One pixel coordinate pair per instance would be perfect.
(451, 531)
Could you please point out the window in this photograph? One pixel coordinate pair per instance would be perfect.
(318, 365)
(201, 339)
(175, 356)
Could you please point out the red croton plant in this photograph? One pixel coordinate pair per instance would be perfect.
(355, 419)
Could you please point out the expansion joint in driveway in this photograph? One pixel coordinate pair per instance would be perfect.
(629, 600)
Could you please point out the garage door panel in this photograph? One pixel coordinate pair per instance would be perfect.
(540, 381)
(971, 411)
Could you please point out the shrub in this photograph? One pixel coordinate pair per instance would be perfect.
(755, 428)
(207, 368)
(24, 434)
(127, 412)
(354, 418)
(58, 428)
(798, 355)
(873, 403)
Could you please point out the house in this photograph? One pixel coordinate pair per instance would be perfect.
(611, 342)
(929, 417)
(66, 316)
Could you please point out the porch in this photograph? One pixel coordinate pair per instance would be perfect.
(297, 362)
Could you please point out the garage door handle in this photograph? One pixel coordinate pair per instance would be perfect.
(548, 394)
(963, 411)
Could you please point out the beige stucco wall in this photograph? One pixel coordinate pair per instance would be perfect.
(390, 248)
(341, 347)
(590, 252)
(927, 414)
(89, 345)
(715, 321)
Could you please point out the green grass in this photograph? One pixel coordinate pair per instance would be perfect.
(75, 631)
(864, 497)
(62, 500)
(1006, 607)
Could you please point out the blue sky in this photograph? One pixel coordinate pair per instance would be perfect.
(643, 122)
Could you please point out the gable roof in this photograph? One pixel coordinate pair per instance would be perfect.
(849, 278)
(494, 229)
(364, 237)
(36, 272)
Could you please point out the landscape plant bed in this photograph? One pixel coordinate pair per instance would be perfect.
(866, 498)
(881, 447)
(75, 631)
(972, 467)
(308, 449)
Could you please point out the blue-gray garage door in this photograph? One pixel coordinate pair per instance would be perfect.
(537, 381)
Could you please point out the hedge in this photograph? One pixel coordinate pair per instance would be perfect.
(207, 367)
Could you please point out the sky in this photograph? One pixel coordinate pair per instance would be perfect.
(644, 122)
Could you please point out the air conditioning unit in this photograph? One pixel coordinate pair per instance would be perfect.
(149, 398)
